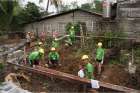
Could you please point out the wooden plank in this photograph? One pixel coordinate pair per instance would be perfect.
(70, 77)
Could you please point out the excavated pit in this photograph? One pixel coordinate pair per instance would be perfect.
(115, 74)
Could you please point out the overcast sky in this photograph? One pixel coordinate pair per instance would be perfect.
(52, 8)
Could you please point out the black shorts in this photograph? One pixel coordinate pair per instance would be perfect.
(98, 60)
(54, 61)
(34, 62)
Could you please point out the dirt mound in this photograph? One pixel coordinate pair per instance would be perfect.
(117, 74)
(114, 74)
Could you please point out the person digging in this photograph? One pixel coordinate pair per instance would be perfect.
(34, 58)
(89, 68)
(41, 51)
(53, 57)
(99, 57)
(55, 43)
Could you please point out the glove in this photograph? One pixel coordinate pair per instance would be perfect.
(102, 61)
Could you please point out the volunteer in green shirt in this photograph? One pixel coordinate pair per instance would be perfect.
(53, 56)
(41, 49)
(72, 34)
(34, 58)
(55, 43)
(71, 37)
(89, 68)
(99, 56)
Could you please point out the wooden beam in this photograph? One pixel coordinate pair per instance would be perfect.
(70, 77)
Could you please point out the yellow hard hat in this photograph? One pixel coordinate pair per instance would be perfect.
(85, 57)
(41, 50)
(53, 49)
(40, 43)
(55, 39)
(100, 44)
(72, 27)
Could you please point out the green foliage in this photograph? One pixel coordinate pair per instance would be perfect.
(29, 13)
(111, 39)
(12, 16)
(74, 5)
(76, 27)
(137, 52)
(64, 8)
(96, 6)
(8, 11)
(86, 6)
(68, 26)
(113, 62)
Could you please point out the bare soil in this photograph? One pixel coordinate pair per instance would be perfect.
(115, 74)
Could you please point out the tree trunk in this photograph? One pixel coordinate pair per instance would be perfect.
(47, 7)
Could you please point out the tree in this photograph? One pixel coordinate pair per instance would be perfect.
(98, 6)
(12, 16)
(74, 5)
(8, 11)
(56, 3)
(86, 6)
(64, 8)
(95, 6)
(30, 13)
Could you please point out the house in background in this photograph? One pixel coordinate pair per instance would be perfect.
(124, 16)
(58, 22)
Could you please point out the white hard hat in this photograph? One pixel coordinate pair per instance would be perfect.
(55, 39)
(40, 43)
(99, 44)
(53, 49)
(85, 57)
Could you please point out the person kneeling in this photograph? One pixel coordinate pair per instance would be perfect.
(34, 58)
(53, 57)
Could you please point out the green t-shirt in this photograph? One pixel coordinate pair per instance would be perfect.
(100, 53)
(72, 32)
(89, 71)
(89, 68)
(55, 44)
(34, 55)
(53, 56)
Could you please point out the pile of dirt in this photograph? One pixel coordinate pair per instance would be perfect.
(114, 74)
(117, 74)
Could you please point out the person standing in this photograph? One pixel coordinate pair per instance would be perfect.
(99, 57)
(71, 36)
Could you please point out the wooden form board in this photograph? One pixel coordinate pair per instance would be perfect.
(72, 78)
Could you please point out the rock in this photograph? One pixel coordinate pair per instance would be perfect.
(10, 87)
